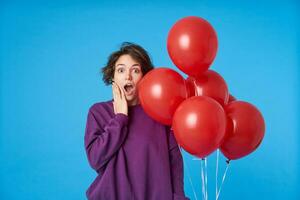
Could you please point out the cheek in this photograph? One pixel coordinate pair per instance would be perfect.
(118, 80)
(118, 77)
(138, 78)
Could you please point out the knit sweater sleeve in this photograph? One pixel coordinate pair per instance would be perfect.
(176, 163)
(103, 136)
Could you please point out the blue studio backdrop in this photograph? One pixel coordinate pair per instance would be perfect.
(50, 57)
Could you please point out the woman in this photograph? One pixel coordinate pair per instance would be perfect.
(136, 158)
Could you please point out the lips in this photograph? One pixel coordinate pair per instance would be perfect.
(129, 88)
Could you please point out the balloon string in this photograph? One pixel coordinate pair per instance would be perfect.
(224, 176)
(217, 169)
(189, 176)
(195, 88)
(205, 164)
(203, 182)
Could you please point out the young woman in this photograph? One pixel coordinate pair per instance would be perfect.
(135, 157)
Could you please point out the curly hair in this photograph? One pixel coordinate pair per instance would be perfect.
(137, 52)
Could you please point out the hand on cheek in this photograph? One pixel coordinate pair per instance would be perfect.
(120, 103)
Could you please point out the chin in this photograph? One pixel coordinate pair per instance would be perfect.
(131, 99)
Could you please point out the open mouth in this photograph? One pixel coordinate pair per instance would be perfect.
(129, 89)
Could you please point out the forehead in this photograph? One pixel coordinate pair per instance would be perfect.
(127, 60)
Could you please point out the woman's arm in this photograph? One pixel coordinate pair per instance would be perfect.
(176, 163)
(102, 142)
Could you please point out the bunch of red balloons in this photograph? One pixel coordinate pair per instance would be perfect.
(202, 113)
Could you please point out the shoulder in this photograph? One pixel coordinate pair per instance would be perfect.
(102, 110)
(101, 106)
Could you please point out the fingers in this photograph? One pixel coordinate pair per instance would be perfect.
(116, 91)
(122, 94)
(120, 102)
(119, 92)
(116, 96)
(114, 105)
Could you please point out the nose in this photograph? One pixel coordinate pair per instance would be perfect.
(128, 75)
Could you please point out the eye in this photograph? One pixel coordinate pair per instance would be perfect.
(136, 70)
(120, 70)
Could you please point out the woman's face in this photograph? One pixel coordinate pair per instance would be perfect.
(127, 75)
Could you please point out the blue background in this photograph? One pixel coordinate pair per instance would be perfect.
(50, 56)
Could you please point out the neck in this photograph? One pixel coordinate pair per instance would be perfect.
(134, 102)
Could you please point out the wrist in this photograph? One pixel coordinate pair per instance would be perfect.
(122, 112)
(125, 113)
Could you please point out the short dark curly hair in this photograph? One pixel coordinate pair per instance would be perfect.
(137, 52)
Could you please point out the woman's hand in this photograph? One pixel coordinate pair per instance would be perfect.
(120, 103)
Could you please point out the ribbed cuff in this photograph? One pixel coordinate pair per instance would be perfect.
(122, 118)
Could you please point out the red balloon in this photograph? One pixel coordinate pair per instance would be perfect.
(192, 45)
(245, 130)
(210, 84)
(231, 98)
(199, 125)
(160, 92)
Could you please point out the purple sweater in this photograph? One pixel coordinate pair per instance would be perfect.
(136, 158)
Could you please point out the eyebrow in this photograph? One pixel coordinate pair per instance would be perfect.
(134, 65)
